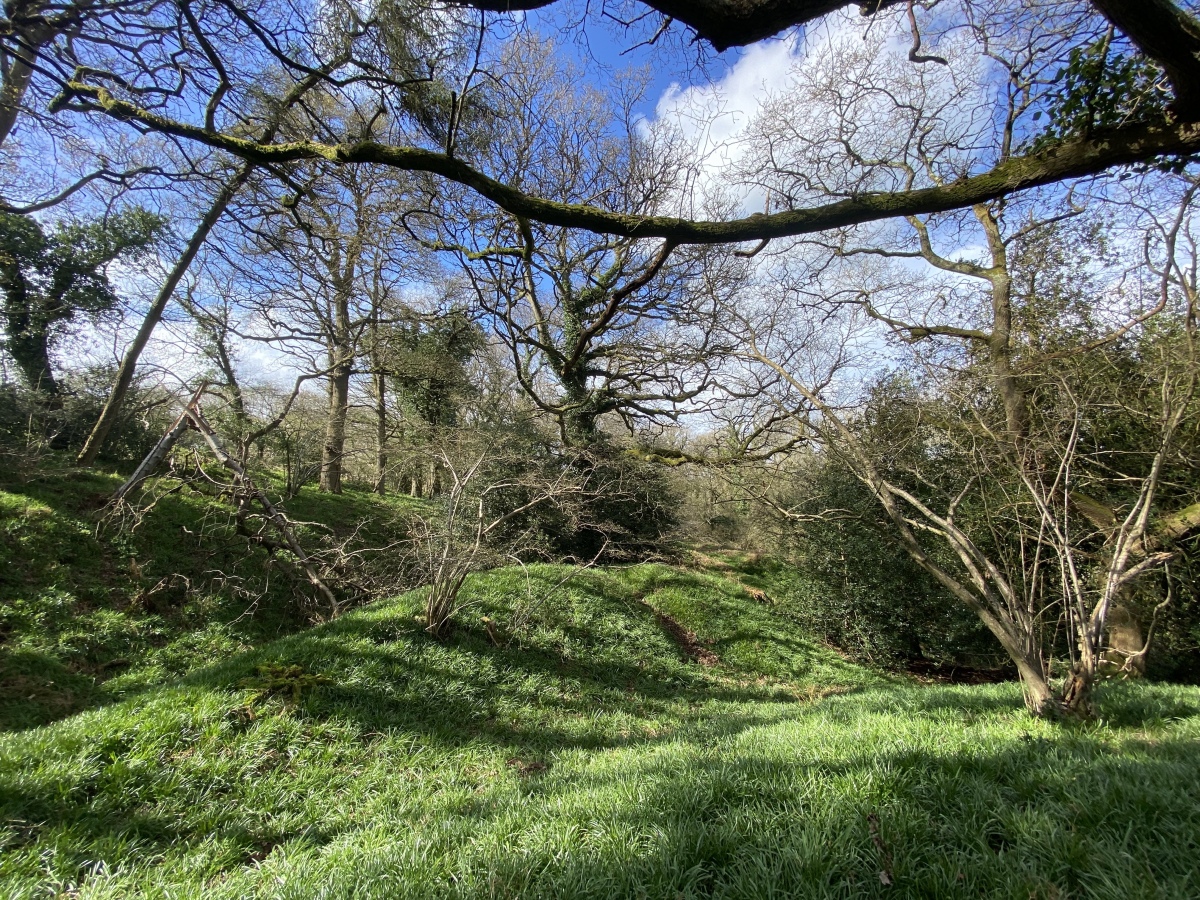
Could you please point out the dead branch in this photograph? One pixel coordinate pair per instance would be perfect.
(193, 417)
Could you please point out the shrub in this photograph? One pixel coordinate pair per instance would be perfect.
(28, 428)
(863, 593)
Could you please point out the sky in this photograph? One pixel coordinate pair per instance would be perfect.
(683, 84)
(604, 45)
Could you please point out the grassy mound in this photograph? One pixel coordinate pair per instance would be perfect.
(89, 614)
(574, 745)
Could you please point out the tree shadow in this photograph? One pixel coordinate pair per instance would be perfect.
(528, 699)
(36, 688)
(85, 599)
(1052, 818)
(712, 792)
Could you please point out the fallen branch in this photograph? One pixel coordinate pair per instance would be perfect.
(154, 459)
(193, 417)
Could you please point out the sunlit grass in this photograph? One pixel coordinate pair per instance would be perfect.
(584, 756)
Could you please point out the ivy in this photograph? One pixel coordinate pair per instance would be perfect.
(1101, 88)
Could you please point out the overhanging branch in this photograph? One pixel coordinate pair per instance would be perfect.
(723, 23)
(1072, 159)
(1168, 35)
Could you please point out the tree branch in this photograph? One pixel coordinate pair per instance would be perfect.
(1168, 35)
(1085, 156)
(723, 23)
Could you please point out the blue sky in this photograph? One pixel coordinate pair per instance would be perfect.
(603, 44)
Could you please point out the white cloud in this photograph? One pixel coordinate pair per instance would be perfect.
(713, 118)
(798, 84)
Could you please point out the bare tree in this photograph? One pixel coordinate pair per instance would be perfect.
(1014, 465)
(316, 268)
(491, 487)
(594, 325)
(244, 492)
(220, 203)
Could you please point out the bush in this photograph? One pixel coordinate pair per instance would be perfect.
(625, 508)
(28, 429)
(630, 505)
(1175, 647)
(862, 592)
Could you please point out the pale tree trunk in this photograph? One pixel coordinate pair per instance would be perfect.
(381, 456)
(341, 364)
(18, 69)
(1010, 621)
(991, 598)
(999, 342)
(1125, 640)
(125, 372)
(341, 361)
(341, 348)
(342, 265)
(193, 417)
(335, 424)
(379, 383)
(984, 589)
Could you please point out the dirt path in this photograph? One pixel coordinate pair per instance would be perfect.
(691, 645)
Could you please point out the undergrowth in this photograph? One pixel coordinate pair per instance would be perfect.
(92, 609)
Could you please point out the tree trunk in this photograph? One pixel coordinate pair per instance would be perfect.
(1016, 411)
(292, 474)
(1014, 633)
(1076, 699)
(381, 459)
(274, 516)
(341, 348)
(19, 72)
(1040, 698)
(147, 466)
(31, 352)
(1125, 640)
(579, 416)
(335, 428)
(116, 397)
(26, 322)
(155, 457)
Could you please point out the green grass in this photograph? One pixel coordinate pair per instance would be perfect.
(88, 614)
(583, 755)
(746, 634)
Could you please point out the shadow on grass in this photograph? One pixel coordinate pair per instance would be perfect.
(654, 777)
(36, 688)
(814, 802)
(531, 704)
(1055, 818)
(529, 699)
(834, 804)
(750, 634)
(80, 605)
(1126, 705)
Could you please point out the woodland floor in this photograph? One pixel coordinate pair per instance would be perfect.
(652, 731)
